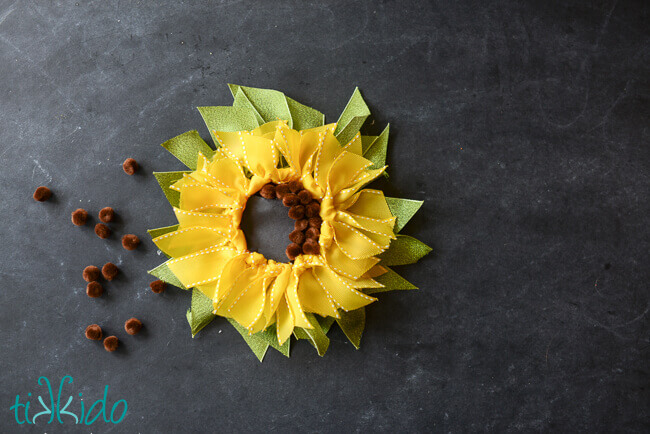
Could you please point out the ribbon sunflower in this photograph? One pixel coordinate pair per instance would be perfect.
(267, 141)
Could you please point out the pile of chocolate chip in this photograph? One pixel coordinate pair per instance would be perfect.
(305, 210)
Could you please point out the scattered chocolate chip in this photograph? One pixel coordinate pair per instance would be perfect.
(94, 289)
(312, 233)
(310, 247)
(132, 326)
(94, 332)
(281, 190)
(297, 237)
(42, 194)
(111, 343)
(90, 273)
(305, 197)
(106, 214)
(315, 222)
(130, 166)
(295, 186)
(109, 271)
(268, 191)
(301, 224)
(102, 230)
(297, 212)
(158, 286)
(293, 250)
(130, 241)
(290, 200)
(79, 217)
(313, 209)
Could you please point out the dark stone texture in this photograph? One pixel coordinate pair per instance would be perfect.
(524, 126)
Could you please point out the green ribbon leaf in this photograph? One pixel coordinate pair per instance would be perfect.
(155, 233)
(242, 101)
(325, 323)
(352, 118)
(258, 345)
(164, 273)
(165, 179)
(392, 282)
(270, 104)
(304, 117)
(366, 143)
(404, 250)
(376, 152)
(352, 323)
(403, 209)
(316, 336)
(222, 118)
(270, 336)
(200, 313)
(186, 148)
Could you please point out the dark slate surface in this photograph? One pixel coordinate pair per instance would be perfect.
(524, 126)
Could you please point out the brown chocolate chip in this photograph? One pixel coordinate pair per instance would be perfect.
(313, 209)
(297, 212)
(42, 194)
(293, 250)
(90, 273)
(268, 191)
(305, 197)
(79, 217)
(94, 332)
(310, 247)
(158, 286)
(109, 271)
(130, 241)
(281, 190)
(111, 343)
(132, 326)
(106, 214)
(130, 166)
(301, 224)
(297, 237)
(290, 200)
(295, 186)
(102, 230)
(94, 289)
(315, 222)
(312, 233)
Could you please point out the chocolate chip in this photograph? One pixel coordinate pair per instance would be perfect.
(312, 233)
(297, 212)
(90, 273)
(102, 230)
(315, 222)
(111, 343)
(79, 217)
(132, 326)
(281, 190)
(295, 186)
(109, 271)
(106, 214)
(313, 209)
(268, 191)
(42, 194)
(158, 286)
(94, 332)
(290, 200)
(293, 250)
(130, 166)
(310, 247)
(94, 289)
(130, 241)
(301, 224)
(297, 237)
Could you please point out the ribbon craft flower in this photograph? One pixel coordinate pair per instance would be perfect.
(267, 140)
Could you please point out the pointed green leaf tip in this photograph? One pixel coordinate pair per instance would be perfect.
(200, 314)
(316, 336)
(163, 273)
(186, 148)
(352, 323)
(404, 250)
(223, 118)
(403, 209)
(165, 179)
(392, 282)
(376, 152)
(352, 118)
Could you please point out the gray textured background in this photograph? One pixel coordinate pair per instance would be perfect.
(524, 126)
